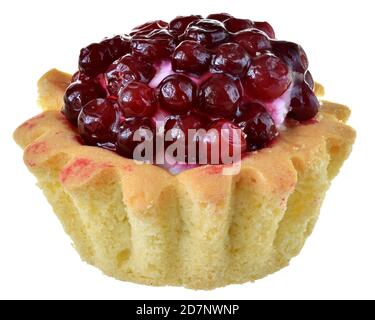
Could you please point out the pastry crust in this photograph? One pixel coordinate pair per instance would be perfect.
(199, 229)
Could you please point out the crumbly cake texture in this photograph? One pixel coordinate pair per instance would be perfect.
(199, 229)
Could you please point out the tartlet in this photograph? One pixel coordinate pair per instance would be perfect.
(197, 228)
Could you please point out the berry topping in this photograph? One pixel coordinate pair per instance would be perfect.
(177, 130)
(125, 70)
(184, 123)
(137, 99)
(177, 94)
(219, 96)
(266, 28)
(293, 54)
(230, 58)
(222, 72)
(156, 45)
(117, 46)
(206, 31)
(309, 80)
(269, 77)
(253, 41)
(149, 26)
(94, 59)
(219, 16)
(304, 104)
(227, 139)
(178, 25)
(77, 95)
(78, 76)
(234, 25)
(126, 142)
(191, 57)
(97, 122)
(257, 124)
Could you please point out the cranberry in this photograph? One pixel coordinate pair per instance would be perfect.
(93, 59)
(149, 26)
(78, 76)
(265, 27)
(190, 56)
(182, 124)
(234, 24)
(230, 58)
(126, 143)
(81, 77)
(293, 54)
(177, 94)
(269, 77)
(75, 77)
(177, 130)
(224, 133)
(257, 124)
(137, 99)
(156, 45)
(178, 25)
(206, 31)
(219, 96)
(76, 96)
(309, 80)
(117, 46)
(219, 16)
(253, 41)
(97, 122)
(125, 70)
(304, 104)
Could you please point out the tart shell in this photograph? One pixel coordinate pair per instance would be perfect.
(199, 229)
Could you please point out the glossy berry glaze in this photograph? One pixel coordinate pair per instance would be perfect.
(220, 72)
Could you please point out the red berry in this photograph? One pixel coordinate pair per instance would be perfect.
(117, 46)
(180, 125)
(78, 77)
(309, 80)
(227, 139)
(230, 58)
(177, 131)
(125, 70)
(97, 122)
(207, 32)
(304, 104)
(219, 96)
(257, 124)
(177, 94)
(266, 28)
(149, 26)
(126, 141)
(191, 57)
(178, 25)
(292, 54)
(219, 16)
(153, 46)
(137, 99)
(253, 41)
(94, 59)
(234, 24)
(269, 77)
(77, 95)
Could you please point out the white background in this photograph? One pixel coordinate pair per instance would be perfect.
(36, 258)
